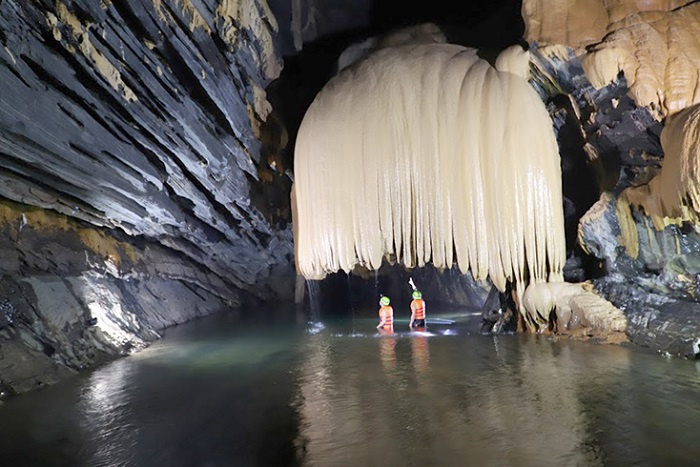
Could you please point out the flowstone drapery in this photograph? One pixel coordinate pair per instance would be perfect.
(427, 153)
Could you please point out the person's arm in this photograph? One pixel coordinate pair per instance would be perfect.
(413, 315)
(382, 320)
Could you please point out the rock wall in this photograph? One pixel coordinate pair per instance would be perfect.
(140, 182)
(144, 117)
(645, 266)
(72, 295)
(654, 280)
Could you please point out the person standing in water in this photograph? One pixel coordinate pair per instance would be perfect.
(417, 310)
(386, 314)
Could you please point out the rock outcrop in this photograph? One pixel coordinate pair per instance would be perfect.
(615, 78)
(143, 117)
(569, 308)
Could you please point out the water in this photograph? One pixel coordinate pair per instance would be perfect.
(314, 290)
(218, 392)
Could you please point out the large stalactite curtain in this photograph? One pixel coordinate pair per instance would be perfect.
(427, 153)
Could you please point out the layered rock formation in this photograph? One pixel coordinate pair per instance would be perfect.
(143, 130)
(72, 296)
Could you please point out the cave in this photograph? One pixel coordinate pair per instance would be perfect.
(211, 200)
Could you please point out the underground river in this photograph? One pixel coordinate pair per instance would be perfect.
(223, 391)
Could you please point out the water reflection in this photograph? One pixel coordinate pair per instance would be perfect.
(513, 402)
(387, 350)
(104, 399)
(245, 395)
(419, 351)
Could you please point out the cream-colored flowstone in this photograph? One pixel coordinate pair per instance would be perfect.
(580, 23)
(575, 307)
(427, 153)
(655, 44)
(673, 196)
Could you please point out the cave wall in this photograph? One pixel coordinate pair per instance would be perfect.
(143, 180)
(72, 296)
(648, 269)
(140, 183)
(144, 117)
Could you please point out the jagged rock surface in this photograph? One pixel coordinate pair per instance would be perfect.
(144, 117)
(72, 295)
(656, 283)
(653, 280)
(653, 43)
(146, 127)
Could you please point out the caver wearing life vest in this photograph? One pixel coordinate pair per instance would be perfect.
(386, 314)
(417, 310)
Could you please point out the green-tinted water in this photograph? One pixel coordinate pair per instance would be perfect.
(220, 393)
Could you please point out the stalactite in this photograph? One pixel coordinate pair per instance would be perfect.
(426, 153)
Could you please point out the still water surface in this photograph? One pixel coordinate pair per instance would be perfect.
(220, 393)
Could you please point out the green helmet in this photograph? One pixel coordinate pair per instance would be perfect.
(384, 301)
(417, 294)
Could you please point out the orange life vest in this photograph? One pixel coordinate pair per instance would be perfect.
(387, 313)
(418, 307)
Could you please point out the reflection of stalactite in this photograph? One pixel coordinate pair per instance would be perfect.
(508, 411)
(427, 153)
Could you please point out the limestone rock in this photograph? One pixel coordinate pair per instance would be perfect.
(142, 117)
(652, 275)
(652, 43)
(575, 308)
(579, 23)
(72, 296)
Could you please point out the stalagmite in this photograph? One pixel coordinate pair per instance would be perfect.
(426, 153)
(575, 307)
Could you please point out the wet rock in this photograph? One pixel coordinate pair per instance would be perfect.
(658, 288)
(98, 297)
(606, 141)
(23, 368)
